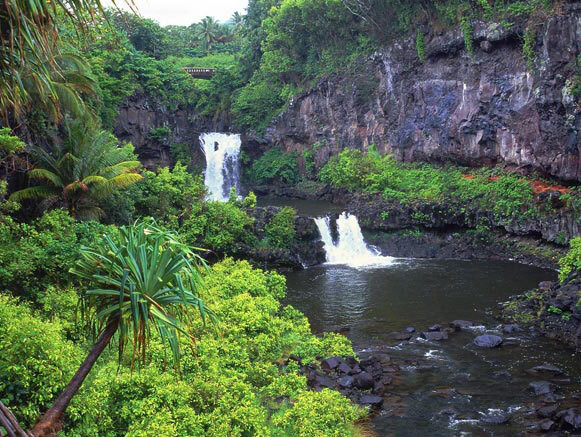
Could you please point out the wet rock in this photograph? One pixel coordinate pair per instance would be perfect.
(410, 330)
(449, 412)
(497, 418)
(461, 324)
(546, 425)
(548, 411)
(434, 328)
(330, 363)
(364, 381)
(488, 341)
(344, 367)
(355, 369)
(346, 381)
(572, 417)
(546, 369)
(435, 336)
(324, 381)
(541, 387)
(511, 328)
(401, 336)
(545, 285)
(372, 400)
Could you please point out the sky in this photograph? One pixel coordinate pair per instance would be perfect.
(186, 12)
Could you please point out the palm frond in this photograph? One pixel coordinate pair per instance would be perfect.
(39, 192)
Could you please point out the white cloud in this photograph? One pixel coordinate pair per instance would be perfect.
(186, 12)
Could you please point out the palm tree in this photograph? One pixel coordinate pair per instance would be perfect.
(63, 89)
(207, 31)
(238, 21)
(29, 35)
(84, 168)
(145, 281)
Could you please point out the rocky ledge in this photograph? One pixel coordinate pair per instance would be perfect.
(553, 308)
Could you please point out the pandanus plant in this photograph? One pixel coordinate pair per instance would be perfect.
(145, 283)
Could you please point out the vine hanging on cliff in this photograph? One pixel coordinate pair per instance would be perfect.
(528, 48)
(468, 33)
(420, 45)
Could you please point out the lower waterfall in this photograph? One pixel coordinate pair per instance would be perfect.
(350, 248)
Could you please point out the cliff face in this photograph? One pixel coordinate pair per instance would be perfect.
(140, 115)
(482, 110)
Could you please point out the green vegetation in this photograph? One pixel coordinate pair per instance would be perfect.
(81, 170)
(280, 231)
(275, 165)
(507, 195)
(572, 261)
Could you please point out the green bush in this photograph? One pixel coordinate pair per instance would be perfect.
(37, 255)
(280, 231)
(169, 194)
(36, 362)
(219, 226)
(572, 261)
(230, 385)
(507, 195)
(275, 165)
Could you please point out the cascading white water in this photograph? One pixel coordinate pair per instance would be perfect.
(350, 249)
(222, 171)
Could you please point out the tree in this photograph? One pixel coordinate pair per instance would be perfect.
(238, 22)
(81, 170)
(145, 281)
(208, 31)
(28, 30)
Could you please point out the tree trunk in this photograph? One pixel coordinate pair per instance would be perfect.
(51, 423)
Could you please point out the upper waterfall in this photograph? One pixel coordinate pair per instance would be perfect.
(222, 170)
(350, 249)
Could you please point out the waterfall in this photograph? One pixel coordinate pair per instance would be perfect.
(350, 248)
(222, 172)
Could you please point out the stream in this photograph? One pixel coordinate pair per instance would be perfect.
(437, 388)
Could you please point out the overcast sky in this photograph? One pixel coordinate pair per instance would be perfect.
(186, 12)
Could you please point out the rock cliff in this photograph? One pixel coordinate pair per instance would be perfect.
(485, 109)
(141, 114)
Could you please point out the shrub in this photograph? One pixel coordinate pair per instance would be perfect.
(275, 165)
(36, 362)
(169, 194)
(230, 385)
(572, 260)
(280, 231)
(220, 226)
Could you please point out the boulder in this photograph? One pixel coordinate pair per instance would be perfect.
(488, 341)
(435, 336)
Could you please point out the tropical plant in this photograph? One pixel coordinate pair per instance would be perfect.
(145, 281)
(237, 21)
(29, 34)
(87, 166)
(208, 31)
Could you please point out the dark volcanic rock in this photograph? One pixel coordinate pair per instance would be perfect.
(435, 336)
(496, 418)
(461, 324)
(488, 341)
(372, 400)
(364, 381)
(511, 328)
(541, 387)
(548, 411)
(546, 369)
(490, 109)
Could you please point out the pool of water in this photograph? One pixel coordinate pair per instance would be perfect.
(446, 387)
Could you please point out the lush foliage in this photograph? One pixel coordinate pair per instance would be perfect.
(218, 226)
(275, 165)
(37, 255)
(506, 195)
(280, 231)
(572, 261)
(36, 360)
(81, 170)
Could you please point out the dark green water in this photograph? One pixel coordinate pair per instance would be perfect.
(369, 304)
